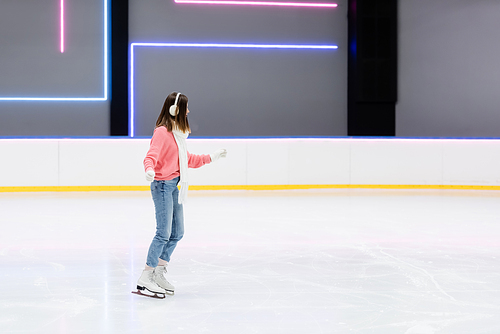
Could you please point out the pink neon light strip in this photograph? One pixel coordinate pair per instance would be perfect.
(62, 26)
(258, 3)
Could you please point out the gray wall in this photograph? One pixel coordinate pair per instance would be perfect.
(235, 92)
(31, 65)
(449, 68)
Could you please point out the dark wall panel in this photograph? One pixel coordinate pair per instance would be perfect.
(33, 66)
(372, 86)
(449, 70)
(236, 92)
(241, 92)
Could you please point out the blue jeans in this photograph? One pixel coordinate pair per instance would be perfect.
(169, 220)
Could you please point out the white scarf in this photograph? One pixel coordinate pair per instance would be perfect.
(180, 139)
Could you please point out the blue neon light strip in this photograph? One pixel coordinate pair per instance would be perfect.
(206, 45)
(83, 99)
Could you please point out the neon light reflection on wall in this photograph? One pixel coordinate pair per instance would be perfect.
(258, 3)
(206, 45)
(105, 65)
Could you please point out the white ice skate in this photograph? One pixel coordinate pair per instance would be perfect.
(159, 277)
(146, 286)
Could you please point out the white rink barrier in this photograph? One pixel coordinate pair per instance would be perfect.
(276, 163)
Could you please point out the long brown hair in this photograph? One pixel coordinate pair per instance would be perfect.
(180, 120)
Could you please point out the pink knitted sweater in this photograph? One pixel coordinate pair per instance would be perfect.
(163, 156)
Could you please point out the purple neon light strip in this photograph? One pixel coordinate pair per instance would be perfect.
(62, 26)
(258, 3)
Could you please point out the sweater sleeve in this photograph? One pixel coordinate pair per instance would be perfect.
(196, 161)
(155, 148)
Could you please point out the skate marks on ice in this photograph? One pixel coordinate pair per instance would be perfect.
(437, 288)
(361, 264)
(353, 288)
(399, 263)
(351, 262)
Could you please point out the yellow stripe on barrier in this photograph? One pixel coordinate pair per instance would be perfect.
(73, 188)
(249, 187)
(342, 186)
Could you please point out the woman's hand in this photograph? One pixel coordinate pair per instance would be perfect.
(150, 175)
(218, 154)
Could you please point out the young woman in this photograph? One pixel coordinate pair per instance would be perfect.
(166, 165)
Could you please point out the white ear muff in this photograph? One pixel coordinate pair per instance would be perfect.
(173, 108)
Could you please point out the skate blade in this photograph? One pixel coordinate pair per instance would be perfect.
(155, 295)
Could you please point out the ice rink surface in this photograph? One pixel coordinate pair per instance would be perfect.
(330, 261)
